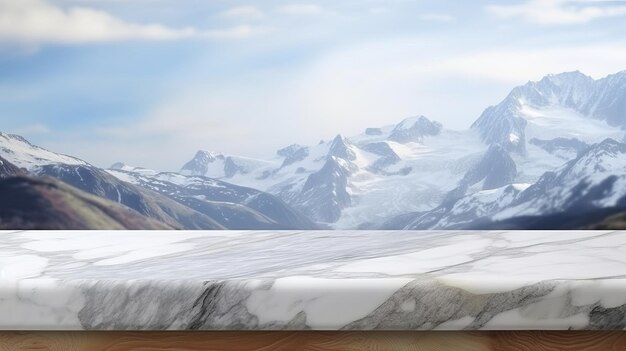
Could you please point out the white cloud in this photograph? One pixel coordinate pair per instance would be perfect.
(555, 12)
(243, 12)
(436, 17)
(36, 22)
(379, 10)
(300, 9)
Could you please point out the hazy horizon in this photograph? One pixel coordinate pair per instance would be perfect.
(150, 82)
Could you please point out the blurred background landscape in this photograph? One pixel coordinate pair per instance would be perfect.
(161, 114)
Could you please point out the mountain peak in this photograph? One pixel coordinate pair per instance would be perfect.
(409, 122)
(600, 159)
(568, 80)
(342, 148)
(496, 169)
(288, 151)
(209, 155)
(292, 154)
(338, 139)
(574, 93)
(22, 153)
(118, 165)
(414, 129)
(15, 137)
(608, 145)
(199, 165)
(569, 74)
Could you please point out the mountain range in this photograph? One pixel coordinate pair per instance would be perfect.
(551, 150)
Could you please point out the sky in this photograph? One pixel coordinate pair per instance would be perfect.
(149, 82)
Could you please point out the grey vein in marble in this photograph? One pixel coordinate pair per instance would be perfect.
(327, 280)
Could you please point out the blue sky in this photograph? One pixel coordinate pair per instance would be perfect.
(149, 82)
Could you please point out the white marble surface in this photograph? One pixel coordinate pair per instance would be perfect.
(313, 280)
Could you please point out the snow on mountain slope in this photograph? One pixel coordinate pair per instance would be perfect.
(544, 124)
(235, 207)
(495, 169)
(563, 105)
(554, 121)
(418, 182)
(414, 129)
(595, 179)
(322, 183)
(23, 154)
(565, 148)
(419, 166)
(128, 168)
(479, 205)
(467, 210)
(148, 203)
(608, 100)
(367, 178)
(551, 124)
(201, 204)
(216, 165)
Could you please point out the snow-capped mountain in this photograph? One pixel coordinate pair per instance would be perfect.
(219, 166)
(595, 179)
(211, 205)
(496, 168)
(321, 193)
(542, 131)
(369, 177)
(419, 166)
(414, 129)
(488, 183)
(563, 102)
(23, 154)
(562, 147)
(234, 207)
(459, 214)
(120, 166)
(549, 146)
(153, 205)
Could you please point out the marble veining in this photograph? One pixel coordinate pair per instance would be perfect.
(326, 280)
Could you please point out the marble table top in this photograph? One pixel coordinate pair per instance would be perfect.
(323, 280)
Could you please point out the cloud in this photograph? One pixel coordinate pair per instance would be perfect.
(300, 9)
(378, 10)
(37, 22)
(243, 12)
(436, 17)
(559, 12)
